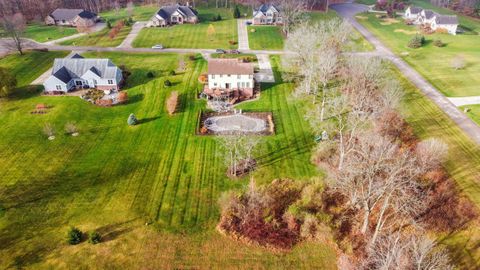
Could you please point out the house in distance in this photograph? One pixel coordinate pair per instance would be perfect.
(435, 21)
(72, 17)
(230, 79)
(267, 14)
(174, 14)
(77, 72)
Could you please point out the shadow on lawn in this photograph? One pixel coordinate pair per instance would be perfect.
(112, 231)
(146, 120)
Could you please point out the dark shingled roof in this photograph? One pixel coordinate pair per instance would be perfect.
(446, 19)
(167, 11)
(69, 14)
(63, 75)
(415, 10)
(265, 7)
(77, 56)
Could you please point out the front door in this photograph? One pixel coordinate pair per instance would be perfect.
(227, 86)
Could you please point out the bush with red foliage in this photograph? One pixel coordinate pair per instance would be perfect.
(392, 125)
(263, 216)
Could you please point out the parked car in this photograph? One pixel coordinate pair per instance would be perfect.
(158, 47)
(234, 52)
(220, 51)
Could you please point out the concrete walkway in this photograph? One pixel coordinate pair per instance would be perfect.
(462, 101)
(242, 35)
(47, 73)
(98, 27)
(265, 75)
(136, 28)
(349, 10)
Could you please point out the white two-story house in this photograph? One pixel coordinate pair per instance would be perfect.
(230, 79)
(267, 14)
(77, 72)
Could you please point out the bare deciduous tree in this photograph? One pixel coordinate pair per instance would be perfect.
(237, 149)
(292, 12)
(14, 26)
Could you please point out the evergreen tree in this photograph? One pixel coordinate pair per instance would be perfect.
(132, 120)
(236, 13)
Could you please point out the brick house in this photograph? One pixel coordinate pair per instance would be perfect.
(72, 17)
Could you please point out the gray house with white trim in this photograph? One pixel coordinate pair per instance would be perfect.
(267, 14)
(77, 72)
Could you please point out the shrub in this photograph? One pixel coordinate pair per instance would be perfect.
(94, 237)
(48, 130)
(167, 83)
(416, 42)
(122, 97)
(150, 75)
(74, 236)
(219, 18)
(132, 120)
(172, 102)
(109, 24)
(172, 73)
(71, 128)
(8, 82)
(438, 43)
(130, 20)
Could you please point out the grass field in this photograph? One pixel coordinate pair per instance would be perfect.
(463, 165)
(432, 62)
(115, 178)
(194, 35)
(140, 13)
(100, 38)
(43, 33)
(265, 37)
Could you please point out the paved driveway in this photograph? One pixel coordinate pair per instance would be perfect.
(136, 28)
(242, 35)
(265, 75)
(348, 12)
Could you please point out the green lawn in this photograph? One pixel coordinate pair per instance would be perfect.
(30, 66)
(432, 62)
(463, 165)
(43, 33)
(100, 38)
(265, 37)
(140, 13)
(194, 35)
(115, 178)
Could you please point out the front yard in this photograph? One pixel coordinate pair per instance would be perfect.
(100, 38)
(43, 33)
(206, 34)
(434, 63)
(265, 37)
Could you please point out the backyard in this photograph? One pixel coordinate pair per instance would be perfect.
(116, 178)
(207, 34)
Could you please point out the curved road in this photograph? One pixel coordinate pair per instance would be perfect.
(348, 12)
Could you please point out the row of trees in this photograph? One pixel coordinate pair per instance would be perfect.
(374, 164)
(468, 7)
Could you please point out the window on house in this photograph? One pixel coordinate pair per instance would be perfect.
(110, 81)
(58, 87)
(243, 84)
(239, 76)
(221, 76)
(213, 76)
(248, 85)
(78, 83)
(228, 75)
(215, 84)
(95, 82)
(238, 85)
(250, 76)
